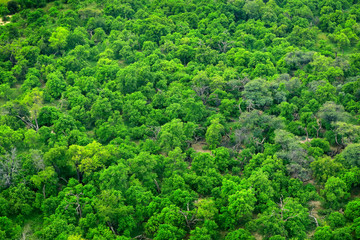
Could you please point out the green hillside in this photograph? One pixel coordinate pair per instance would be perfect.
(174, 119)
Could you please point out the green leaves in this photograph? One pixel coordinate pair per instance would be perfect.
(8, 230)
(87, 159)
(179, 119)
(175, 134)
(214, 133)
(55, 85)
(111, 210)
(241, 204)
(335, 192)
(58, 39)
(351, 154)
(324, 168)
(257, 94)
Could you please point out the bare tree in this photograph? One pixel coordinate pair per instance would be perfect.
(317, 128)
(38, 160)
(250, 105)
(224, 46)
(26, 233)
(313, 217)
(28, 121)
(240, 136)
(283, 209)
(21, 112)
(306, 131)
(238, 84)
(76, 203)
(9, 167)
(190, 219)
(202, 91)
(155, 130)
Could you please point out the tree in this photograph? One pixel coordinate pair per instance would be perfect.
(33, 100)
(293, 152)
(139, 198)
(206, 209)
(351, 154)
(114, 177)
(262, 188)
(55, 84)
(239, 234)
(46, 176)
(336, 220)
(325, 93)
(214, 133)
(9, 229)
(241, 204)
(256, 127)
(167, 231)
(324, 168)
(195, 111)
(288, 110)
(223, 160)
(320, 143)
(335, 192)
(101, 109)
(77, 37)
(99, 35)
(342, 41)
(253, 8)
(175, 134)
(112, 210)
(55, 226)
(143, 168)
(20, 110)
(10, 167)
(21, 199)
(185, 53)
(175, 163)
(30, 82)
(257, 94)
(135, 109)
(348, 133)
(75, 237)
(323, 233)
(288, 219)
(298, 59)
(58, 39)
(56, 158)
(201, 85)
(13, 7)
(342, 233)
(352, 210)
(48, 115)
(7, 77)
(200, 233)
(76, 201)
(87, 159)
(168, 222)
(331, 112)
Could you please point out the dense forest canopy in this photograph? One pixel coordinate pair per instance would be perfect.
(174, 119)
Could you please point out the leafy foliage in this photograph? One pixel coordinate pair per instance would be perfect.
(179, 119)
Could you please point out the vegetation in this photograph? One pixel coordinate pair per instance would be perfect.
(229, 119)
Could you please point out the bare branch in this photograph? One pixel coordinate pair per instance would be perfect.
(312, 216)
(157, 186)
(291, 217)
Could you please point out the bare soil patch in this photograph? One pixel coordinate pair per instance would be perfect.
(198, 147)
(5, 22)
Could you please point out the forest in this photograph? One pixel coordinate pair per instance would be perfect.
(180, 119)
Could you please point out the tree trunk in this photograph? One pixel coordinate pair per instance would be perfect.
(44, 191)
